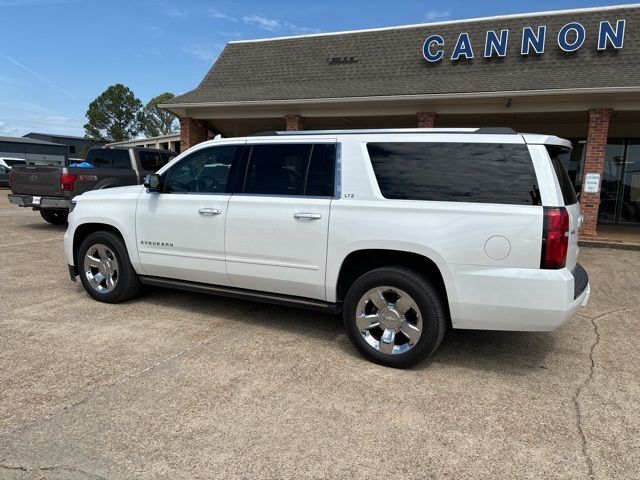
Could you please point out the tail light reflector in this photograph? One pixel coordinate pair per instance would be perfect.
(67, 181)
(555, 238)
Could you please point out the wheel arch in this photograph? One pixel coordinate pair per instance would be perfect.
(83, 230)
(358, 262)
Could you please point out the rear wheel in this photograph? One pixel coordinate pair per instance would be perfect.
(394, 316)
(105, 269)
(55, 217)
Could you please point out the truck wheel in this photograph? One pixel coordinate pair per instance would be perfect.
(394, 316)
(55, 217)
(105, 269)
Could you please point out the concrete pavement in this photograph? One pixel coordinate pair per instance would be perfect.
(182, 385)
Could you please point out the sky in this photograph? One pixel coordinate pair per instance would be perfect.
(56, 56)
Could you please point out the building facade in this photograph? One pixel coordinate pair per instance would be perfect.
(575, 74)
(78, 146)
(33, 151)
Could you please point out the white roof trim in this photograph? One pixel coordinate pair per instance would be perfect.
(434, 96)
(448, 22)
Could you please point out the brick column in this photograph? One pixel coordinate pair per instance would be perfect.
(294, 122)
(594, 163)
(427, 119)
(192, 132)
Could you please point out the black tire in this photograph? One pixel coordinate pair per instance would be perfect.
(127, 284)
(55, 217)
(427, 298)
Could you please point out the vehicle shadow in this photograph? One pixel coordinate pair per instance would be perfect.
(512, 353)
(44, 227)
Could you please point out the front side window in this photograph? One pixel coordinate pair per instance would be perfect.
(204, 171)
(291, 169)
(455, 172)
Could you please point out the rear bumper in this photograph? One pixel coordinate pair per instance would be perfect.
(44, 202)
(518, 299)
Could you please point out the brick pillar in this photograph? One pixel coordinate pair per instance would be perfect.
(427, 119)
(294, 122)
(192, 132)
(594, 163)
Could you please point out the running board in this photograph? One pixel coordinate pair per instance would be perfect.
(265, 297)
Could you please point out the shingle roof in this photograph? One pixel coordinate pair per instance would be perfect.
(390, 62)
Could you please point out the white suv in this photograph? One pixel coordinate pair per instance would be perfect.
(404, 231)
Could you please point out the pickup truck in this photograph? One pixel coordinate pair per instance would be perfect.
(50, 189)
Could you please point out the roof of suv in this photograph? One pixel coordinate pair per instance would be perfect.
(529, 138)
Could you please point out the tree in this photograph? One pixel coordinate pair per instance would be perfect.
(113, 116)
(154, 121)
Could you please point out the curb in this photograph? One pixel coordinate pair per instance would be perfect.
(607, 244)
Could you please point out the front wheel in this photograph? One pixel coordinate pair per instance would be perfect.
(55, 217)
(105, 269)
(394, 316)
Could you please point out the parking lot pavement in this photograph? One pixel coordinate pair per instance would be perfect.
(183, 385)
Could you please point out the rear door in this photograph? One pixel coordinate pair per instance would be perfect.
(278, 221)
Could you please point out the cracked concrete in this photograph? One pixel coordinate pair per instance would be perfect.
(180, 385)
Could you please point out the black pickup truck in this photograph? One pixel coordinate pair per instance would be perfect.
(51, 189)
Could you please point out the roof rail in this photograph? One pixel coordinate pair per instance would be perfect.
(483, 130)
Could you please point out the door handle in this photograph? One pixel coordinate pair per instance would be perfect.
(307, 216)
(209, 211)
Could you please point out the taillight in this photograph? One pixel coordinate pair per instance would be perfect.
(67, 180)
(555, 238)
(10, 178)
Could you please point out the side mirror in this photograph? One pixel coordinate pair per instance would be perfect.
(152, 182)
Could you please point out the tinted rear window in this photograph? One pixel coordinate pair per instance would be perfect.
(153, 161)
(291, 169)
(109, 158)
(455, 172)
(12, 163)
(568, 192)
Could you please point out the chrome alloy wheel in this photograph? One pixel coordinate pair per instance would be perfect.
(389, 320)
(101, 268)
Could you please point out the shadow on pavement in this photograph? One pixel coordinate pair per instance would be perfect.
(513, 353)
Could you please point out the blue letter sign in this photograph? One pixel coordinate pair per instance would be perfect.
(495, 44)
(563, 40)
(463, 47)
(426, 48)
(571, 37)
(608, 35)
(531, 40)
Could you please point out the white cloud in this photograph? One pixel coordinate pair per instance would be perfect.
(21, 119)
(221, 16)
(262, 22)
(207, 52)
(272, 25)
(177, 13)
(432, 15)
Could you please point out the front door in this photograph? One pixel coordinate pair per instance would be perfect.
(180, 231)
(277, 223)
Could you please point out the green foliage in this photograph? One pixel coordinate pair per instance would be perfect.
(114, 115)
(154, 121)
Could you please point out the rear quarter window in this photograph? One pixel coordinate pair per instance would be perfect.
(455, 172)
(566, 186)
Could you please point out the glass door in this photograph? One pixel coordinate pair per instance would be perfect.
(629, 204)
(620, 188)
